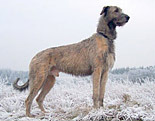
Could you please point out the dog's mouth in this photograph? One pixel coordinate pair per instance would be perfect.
(120, 23)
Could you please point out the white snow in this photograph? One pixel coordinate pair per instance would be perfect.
(71, 100)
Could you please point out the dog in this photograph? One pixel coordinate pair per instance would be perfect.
(93, 56)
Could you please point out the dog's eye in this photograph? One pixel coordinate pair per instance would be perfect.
(116, 10)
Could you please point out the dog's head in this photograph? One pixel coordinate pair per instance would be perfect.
(114, 16)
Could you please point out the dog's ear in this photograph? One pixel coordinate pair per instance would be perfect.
(104, 10)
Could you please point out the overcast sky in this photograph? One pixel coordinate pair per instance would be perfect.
(29, 26)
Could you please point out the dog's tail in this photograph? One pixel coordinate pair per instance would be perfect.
(22, 87)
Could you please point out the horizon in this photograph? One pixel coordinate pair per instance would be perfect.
(73, 75)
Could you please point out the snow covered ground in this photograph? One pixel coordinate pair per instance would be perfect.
(71, 100)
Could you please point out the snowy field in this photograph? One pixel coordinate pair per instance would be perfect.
(71, 100)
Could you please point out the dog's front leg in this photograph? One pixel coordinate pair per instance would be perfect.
(96, 85)
(102, 87)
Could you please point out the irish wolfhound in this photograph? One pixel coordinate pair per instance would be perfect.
(92, 56)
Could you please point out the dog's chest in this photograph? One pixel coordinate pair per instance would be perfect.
(105, 52)
(110, 60)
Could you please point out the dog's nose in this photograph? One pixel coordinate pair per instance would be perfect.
(127, 17)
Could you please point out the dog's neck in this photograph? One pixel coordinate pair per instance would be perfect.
(107, 29)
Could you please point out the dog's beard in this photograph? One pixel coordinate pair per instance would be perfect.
(119, 23)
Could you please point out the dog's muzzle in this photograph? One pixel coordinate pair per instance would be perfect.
(126, 17)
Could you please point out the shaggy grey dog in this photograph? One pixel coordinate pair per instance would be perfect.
(93, 56)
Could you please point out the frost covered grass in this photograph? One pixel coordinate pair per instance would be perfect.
(71, 100)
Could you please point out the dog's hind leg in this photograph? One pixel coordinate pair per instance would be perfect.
(50, 81)
(28, 101)
(36, 83)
